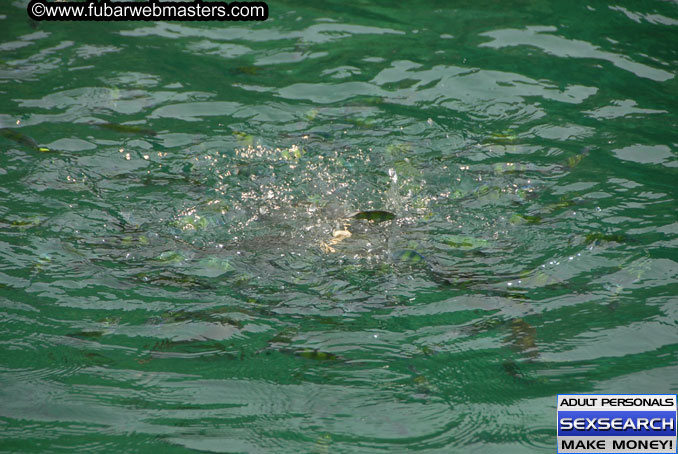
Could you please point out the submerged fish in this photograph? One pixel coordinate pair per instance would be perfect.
(127, 129)
(22, 139)
(598, 236)
(316, 355)
(375, 216)
(522, 337)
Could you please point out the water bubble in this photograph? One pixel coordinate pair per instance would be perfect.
(393, 174)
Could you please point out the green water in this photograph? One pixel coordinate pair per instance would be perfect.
(181, 285)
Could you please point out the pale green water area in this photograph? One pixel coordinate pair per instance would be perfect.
(192, 281)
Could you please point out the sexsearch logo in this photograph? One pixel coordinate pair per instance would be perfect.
(613, 423)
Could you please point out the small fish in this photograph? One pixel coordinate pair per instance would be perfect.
(322, 444)
(518, 219)
(249, 70)
(168, 348)
(597, 236)
(375, 216)
(22, 224)
(565, 203)
(127, 129)
(508, 136)
(168, 257)
(573, 161)
(366, 100)
(87, 334)
(512, 368)
(311, 115)
(22, 139)
(465, 242)
(174, 280)
(191, 222)
(293, 153)
(244, 139)
(285, 336)
(486, 324)
(316, 355)
(398, 149)
(409, 256)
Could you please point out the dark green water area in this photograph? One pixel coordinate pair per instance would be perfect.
(356, 227)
